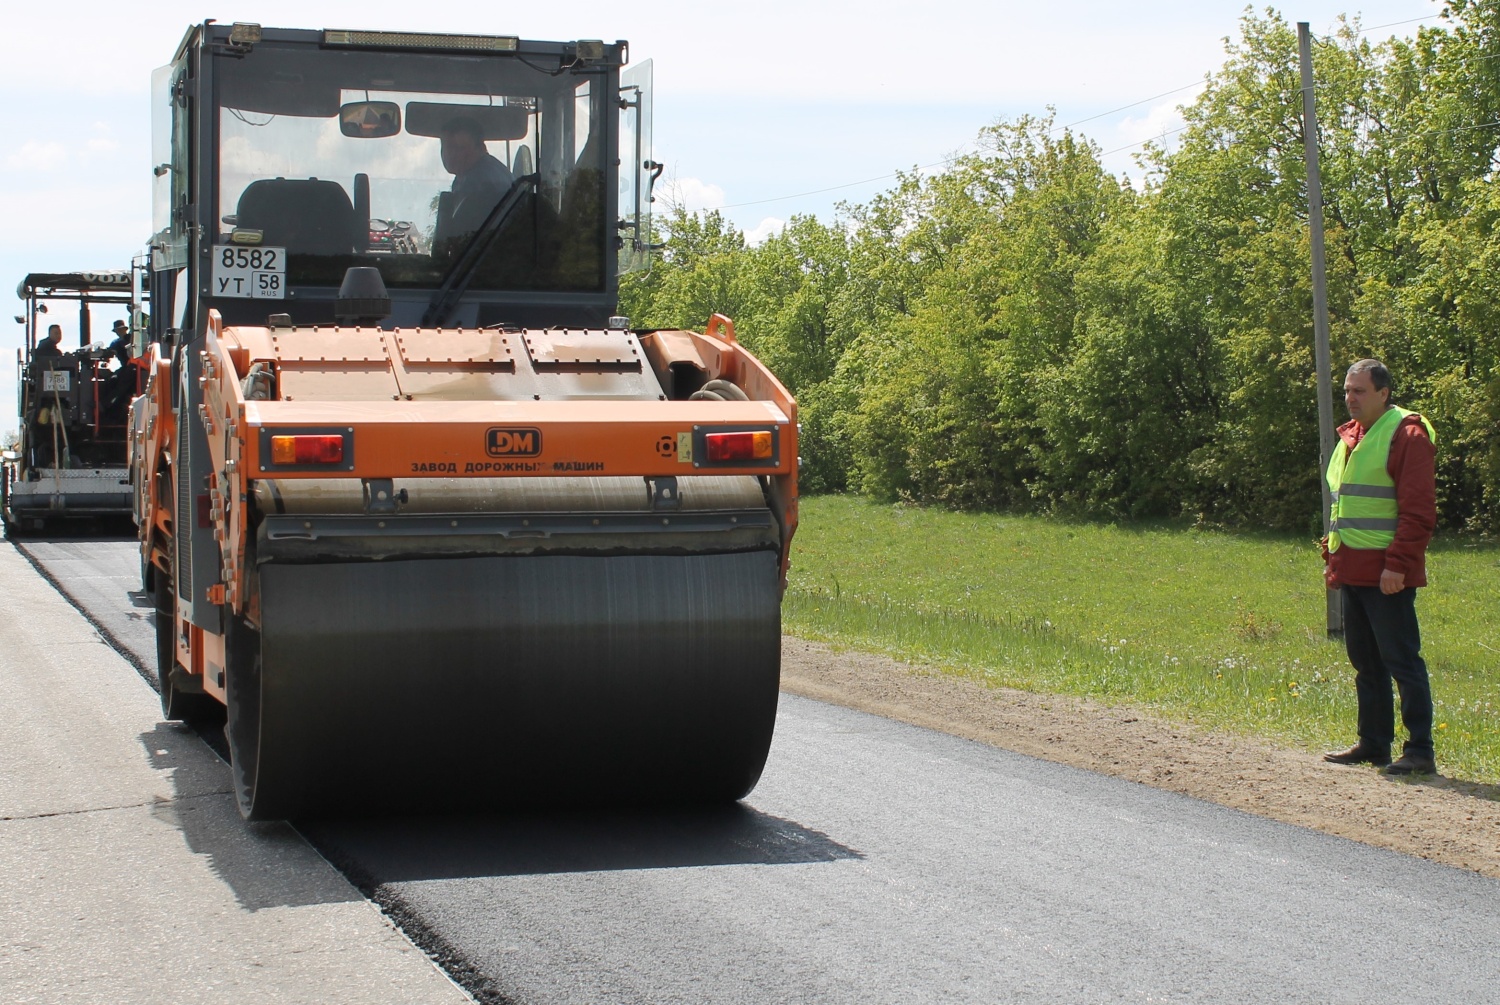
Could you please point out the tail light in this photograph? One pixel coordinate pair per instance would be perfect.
(307, 449)
(750, 445)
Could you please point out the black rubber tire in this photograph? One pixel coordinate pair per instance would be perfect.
(14, 525)
(242, 677)
(195, 708)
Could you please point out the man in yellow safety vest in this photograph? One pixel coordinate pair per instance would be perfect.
(1381, 475)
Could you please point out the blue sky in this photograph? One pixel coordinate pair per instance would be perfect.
(755, 102)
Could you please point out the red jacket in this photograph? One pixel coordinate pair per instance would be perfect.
(1411, 466)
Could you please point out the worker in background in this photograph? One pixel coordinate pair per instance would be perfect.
(48, 348)
(46, 355)
(120, 347)
(1384, 511)
(480, 180)
(120, 386)
(44, 405)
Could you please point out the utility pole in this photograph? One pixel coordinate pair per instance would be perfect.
(1320, 300)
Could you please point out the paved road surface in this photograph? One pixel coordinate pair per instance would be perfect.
(126, 875)
(878, 862)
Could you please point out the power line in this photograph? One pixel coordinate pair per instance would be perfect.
(830, 188)
(1141, 143)
(941, 163)
(1392, 24)
(1070, 125)
(1106, 153)
(1122, 108)
(928, 167)
(1455, 129)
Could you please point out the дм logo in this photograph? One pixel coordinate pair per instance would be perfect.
(523, 442)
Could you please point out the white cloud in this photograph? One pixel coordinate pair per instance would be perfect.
(692, 194)
(1005, 48)
(87, 224)
(80, 225)
(35, 155)
(1158, 121)
(769, 227)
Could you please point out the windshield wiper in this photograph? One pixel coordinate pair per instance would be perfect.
(461, 273)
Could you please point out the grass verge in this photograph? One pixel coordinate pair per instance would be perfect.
(1224, 629)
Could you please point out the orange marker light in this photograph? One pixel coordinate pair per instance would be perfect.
(747, 446)
(307, 450)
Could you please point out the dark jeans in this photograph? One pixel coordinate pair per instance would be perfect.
(1384, 643)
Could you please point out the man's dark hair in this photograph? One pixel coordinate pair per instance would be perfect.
(54, 329)
(1380, 377)
(465, 125)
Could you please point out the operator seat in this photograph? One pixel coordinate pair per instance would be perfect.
(304, 215)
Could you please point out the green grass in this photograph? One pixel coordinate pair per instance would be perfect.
(1219, 628)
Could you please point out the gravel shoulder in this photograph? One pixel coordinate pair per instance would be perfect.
(1440, 819)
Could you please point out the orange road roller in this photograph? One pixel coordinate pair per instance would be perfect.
(429, 527)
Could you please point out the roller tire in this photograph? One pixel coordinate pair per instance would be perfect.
(14, 525)
(5, 522)
(195, 708)
(242, 730)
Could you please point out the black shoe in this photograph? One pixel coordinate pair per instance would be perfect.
(1359, 754)
(1413, 764)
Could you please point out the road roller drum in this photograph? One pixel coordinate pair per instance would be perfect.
(480, 683)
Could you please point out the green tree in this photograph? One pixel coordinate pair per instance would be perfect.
(1023, 330)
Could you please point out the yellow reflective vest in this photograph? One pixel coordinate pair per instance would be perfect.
(1364, 494)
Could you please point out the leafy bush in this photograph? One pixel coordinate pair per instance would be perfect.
(1024, 331)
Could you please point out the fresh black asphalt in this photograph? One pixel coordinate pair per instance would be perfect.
(878, 862)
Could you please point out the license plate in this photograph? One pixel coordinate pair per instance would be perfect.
(250, 273)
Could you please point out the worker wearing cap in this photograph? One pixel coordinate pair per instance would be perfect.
(120, 387)
(1382, 478)
(121, 345)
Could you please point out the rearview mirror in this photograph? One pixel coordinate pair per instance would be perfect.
(494, 122)
(370, 120)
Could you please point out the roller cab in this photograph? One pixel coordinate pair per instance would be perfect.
(429, 527)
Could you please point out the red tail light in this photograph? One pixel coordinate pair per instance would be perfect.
(306, 449)
(747, 446)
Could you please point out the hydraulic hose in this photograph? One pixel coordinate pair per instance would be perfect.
(719, 390)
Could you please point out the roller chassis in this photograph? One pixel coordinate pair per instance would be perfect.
(707, 547)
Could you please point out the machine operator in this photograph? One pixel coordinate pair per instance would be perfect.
(44, 406)
(47, 348)
(480, 180)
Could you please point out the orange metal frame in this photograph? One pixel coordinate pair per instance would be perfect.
(434, 438)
